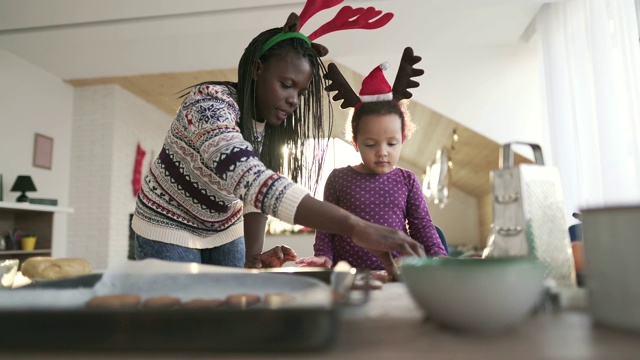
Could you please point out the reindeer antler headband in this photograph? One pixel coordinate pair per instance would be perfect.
(374, 86)
(346, 18)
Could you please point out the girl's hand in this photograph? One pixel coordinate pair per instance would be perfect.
(275, 257)
(320, 261)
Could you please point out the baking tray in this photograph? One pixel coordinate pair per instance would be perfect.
(183, 330)
(299, 328)
(82, 281)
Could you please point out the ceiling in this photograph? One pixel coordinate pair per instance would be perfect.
(77, 39)
(155, 48)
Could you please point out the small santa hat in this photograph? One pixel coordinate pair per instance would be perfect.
(375, 86)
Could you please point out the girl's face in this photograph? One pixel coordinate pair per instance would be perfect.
(280, 82)
(379, 143)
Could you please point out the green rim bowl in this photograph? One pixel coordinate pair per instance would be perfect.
(475, 294)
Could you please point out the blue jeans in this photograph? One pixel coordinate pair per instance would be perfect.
(230, 254)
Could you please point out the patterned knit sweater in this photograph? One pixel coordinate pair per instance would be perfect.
(207, 176)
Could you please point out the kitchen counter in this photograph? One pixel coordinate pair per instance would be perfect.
(391, 326)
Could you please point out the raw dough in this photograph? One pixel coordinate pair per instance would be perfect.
(161, 302)
(273, 301)
(115, 301)
(42, 267)
(242, 301)
(202, 303)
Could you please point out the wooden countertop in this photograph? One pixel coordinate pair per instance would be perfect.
(391, 326)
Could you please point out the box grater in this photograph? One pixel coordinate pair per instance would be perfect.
(528, 215)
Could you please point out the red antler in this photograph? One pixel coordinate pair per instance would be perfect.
(406, 71)
(313, 7)
(341, 86)
(350, 18)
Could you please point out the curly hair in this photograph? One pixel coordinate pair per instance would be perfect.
(380, 108)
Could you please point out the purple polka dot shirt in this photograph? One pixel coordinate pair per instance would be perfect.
(393, 199)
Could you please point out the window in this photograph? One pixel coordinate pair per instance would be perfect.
(339, 154)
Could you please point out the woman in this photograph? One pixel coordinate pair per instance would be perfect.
(214, 181)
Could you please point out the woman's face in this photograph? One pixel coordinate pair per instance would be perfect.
(379, 143)
(280, 82)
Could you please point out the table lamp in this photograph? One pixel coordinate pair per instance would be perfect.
(23, 184)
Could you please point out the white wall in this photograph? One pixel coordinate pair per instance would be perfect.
(494, 91)
(34, 101)
(459, 219)
(108, 123)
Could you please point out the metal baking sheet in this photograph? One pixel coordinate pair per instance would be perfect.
(309, 323)
(181, 330)
(224, 330)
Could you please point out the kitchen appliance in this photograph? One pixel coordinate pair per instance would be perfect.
(529, 216)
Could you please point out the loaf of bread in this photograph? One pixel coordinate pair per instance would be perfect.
(42, 267)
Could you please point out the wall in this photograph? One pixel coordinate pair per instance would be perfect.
(495, 91)
(108, 124)
(459, 219)
(34, 101)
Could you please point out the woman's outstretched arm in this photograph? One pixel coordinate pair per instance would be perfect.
(379, 240)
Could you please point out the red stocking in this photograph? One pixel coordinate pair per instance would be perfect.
(137, 170)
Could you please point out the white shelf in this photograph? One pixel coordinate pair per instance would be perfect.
(34, 207)
(41, 220)
(25, 252)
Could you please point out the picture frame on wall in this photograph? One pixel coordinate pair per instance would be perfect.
(43, 151)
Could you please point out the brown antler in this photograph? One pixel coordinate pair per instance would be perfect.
(313, 7)
(292, 23)
(341, 86)
(350, 18)
(405, 72)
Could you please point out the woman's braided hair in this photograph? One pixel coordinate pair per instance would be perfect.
(305, 133)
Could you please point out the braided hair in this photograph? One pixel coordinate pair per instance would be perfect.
(305, 133)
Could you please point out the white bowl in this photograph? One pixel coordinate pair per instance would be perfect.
(475, 294)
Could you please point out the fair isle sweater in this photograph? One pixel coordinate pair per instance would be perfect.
(393, 199)
(207, 176)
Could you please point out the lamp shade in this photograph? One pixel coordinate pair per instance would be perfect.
(23, 184)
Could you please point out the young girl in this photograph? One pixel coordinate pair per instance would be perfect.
(208, 191)
(376, 190)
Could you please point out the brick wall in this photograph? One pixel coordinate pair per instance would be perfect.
(108, 123)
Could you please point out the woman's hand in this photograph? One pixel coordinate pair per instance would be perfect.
(382, 241)
(275, 257)
(320, 261)
(379, 240)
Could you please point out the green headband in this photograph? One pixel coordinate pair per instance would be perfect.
(282, 36)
